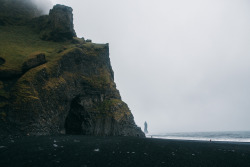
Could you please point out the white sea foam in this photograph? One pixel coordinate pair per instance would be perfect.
(207, 136)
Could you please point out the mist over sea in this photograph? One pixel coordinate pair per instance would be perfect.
(227, 136)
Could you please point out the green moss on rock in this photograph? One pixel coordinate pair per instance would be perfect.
(19, 42)
(73, 89)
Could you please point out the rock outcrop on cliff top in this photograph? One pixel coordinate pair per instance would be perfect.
(57, 26)
(50, 87)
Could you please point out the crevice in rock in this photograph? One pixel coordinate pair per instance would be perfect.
(75, 119)
(34, 61)
(2, 61)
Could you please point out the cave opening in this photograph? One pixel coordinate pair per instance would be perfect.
(74, 119)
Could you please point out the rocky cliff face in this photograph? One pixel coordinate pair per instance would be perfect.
(57, 88)
(58, 26)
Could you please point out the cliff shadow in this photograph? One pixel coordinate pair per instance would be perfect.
(75, 118)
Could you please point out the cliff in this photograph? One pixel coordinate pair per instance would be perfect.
(52, 82)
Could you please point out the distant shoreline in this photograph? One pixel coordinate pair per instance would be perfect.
(205, 141)
(226, 136)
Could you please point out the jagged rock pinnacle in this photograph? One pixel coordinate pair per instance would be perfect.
(59, 23)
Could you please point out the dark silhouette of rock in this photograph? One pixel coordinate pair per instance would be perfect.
(89, 40)
(145, 127)
(9, 73)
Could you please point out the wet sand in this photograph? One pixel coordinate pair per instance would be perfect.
(87, 151)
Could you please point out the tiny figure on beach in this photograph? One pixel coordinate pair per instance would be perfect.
(145, 127)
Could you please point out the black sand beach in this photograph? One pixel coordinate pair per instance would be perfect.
(87, 151)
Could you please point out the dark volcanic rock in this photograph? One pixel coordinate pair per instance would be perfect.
(59, 24)
(9, 73)
(82, 119)
(34, 61)
(2, 61)
(74, 95)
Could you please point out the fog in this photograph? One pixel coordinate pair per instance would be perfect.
(182, 66)
(44, 6)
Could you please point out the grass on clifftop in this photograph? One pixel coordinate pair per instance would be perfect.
(19, 42)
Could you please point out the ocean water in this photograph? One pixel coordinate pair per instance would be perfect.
(236, 136)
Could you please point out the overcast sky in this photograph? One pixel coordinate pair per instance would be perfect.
(181, 65)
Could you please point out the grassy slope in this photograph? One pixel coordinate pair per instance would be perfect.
(18, 42)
